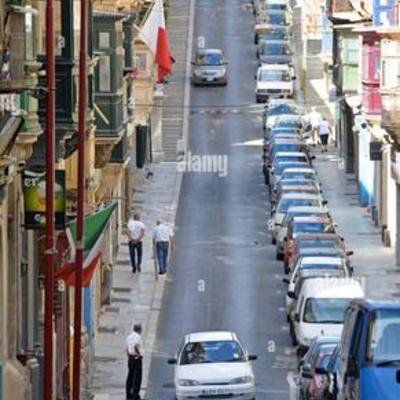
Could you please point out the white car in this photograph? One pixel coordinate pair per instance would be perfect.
(213, 365)
(274, 80)
(321, 306)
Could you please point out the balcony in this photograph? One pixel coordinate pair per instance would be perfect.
(391, 112)
(371, 98)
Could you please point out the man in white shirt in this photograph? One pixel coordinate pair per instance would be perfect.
(134, 349)
(315, 119)
(162, 241)
(325, 131)
(136, 231)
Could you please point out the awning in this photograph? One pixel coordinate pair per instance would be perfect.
(95, 224)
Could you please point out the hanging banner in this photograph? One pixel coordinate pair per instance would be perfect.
(34, 187)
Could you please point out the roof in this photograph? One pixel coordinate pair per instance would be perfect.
(275, 67)
(310, 196)
(210, 336)
(300, 169)
(305, 187)
(288, 140)
(311, 209)
(318, 251)
(333, 288)
(202, 51)
(319, 236)
(322, 260)
(311, 220)
(290, 154)
(378, 305)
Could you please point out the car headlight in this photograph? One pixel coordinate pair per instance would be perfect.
(188, 382)
(242, 379)
(220, 73)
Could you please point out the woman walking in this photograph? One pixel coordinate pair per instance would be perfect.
(324, 132)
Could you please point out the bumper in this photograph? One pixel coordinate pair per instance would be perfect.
(263, 97)
(244, 391)
(209, 81)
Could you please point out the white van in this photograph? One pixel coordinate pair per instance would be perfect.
(321, 307)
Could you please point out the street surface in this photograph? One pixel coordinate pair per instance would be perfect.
(224, 275)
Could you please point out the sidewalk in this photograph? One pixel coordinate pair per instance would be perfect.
(371, 258)
(136, 297)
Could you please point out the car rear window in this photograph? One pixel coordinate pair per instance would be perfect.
(284, 204)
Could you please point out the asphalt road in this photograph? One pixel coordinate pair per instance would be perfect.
(224, 274)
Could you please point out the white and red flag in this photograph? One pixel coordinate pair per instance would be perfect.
(154, 35)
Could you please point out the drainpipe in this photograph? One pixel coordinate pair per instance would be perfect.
(50, 177)
(83, 54)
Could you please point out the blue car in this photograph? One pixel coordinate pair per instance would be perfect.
(369, 365)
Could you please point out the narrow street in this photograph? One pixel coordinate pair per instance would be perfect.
(222, 239)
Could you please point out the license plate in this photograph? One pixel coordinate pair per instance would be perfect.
(209, 79)
(208, 392)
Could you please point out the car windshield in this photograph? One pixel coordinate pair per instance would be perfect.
(209, 59)
(276, 34)
(291, 214)
(276, 49)
(274, 75)
(281, 7)
(277, 18)
(384, 336)
(320, 266)
(299, 175)
(279, 159)
(282, 109)
(286, 147)
(305, 227)
(283, 165)
(325, 311)
(317, 244)
(212, 352)
(284, 204)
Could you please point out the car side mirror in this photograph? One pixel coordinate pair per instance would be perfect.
(226, 62)
(291, 295)
(286, 280)
(313, 157)
(171, 361)
(193, 63)
(306, 371)
(349, 253)
(294, 77)
(297, 317)
(252, 357)
(324, 202)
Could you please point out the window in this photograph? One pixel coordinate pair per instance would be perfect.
(42, 27)
(104, 73)
(325, 311)
(104, 40)
(141, 62)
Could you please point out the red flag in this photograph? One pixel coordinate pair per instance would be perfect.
(154, 34)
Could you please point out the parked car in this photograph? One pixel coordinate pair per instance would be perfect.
(369, 361)
(320, 212)
(275, 107)
(321, 308)
(275, 52)
(306, 224)
(276, 171)
(324, 240)
(288, 121)
(209, 68)
(274, 81)
(275, 192)
(213, 365)
(274, 33)
(309, 380)
(287, 201)
(311, 267)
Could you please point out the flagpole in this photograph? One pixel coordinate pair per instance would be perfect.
(50, 177)
(83, 54)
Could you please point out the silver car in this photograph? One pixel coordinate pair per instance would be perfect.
(209, 68)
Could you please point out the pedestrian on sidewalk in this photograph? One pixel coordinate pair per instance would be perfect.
(325, 131)
(136, 231)
(314, 119)
(162, 242)
(134, 348)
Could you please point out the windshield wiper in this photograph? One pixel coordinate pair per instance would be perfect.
(387, 362)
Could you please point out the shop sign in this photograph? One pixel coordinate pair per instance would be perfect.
(34, 187)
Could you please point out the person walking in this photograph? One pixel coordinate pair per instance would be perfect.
(134, 349)
(136, 231)
(324, 132)
(162, 241)
(314, 119)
